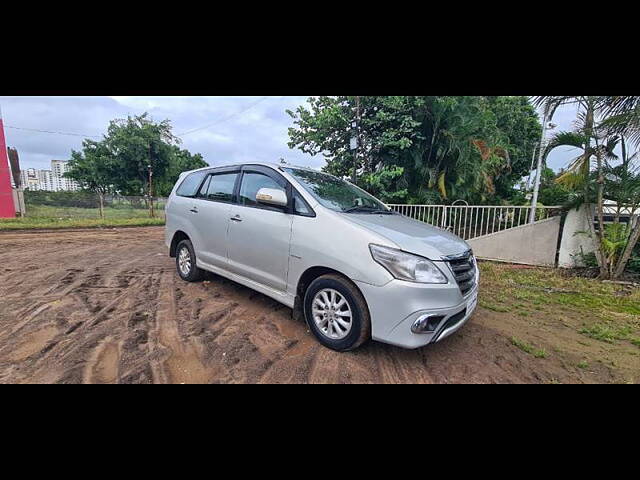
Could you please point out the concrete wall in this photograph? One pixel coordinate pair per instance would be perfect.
(18, 202)
(534, 244)
(576, 237)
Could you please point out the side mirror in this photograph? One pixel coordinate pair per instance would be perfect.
(272, 196)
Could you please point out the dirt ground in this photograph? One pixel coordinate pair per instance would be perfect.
(106, 306)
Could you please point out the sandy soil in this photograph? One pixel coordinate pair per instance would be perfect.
(106, 306)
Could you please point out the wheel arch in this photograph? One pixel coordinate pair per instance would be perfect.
(178, 236)
(310, 274)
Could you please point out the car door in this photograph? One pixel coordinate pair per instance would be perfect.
(179, 209)
(212, 210)
(259, 235)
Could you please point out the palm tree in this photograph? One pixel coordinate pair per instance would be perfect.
(576, 175)
(623, 116)
(603, 122)
(593, 143)
(622, 184)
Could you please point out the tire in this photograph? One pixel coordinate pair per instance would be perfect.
(330, 326)
(192, 273)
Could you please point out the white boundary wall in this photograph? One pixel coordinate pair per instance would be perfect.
(576, 237)
(530, 244)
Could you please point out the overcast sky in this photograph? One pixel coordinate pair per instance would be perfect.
(245, 128)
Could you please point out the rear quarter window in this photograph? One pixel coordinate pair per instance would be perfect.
(189, 186)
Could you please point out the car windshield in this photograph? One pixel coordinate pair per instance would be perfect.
(336, 194)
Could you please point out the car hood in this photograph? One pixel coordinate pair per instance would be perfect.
(411, 235)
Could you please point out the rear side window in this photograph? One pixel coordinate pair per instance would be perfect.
(189, 186)
(221, 187)
(202, 193)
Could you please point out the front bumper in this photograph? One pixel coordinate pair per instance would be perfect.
(395, 307)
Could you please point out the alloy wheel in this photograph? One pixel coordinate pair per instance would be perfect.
(332, 314)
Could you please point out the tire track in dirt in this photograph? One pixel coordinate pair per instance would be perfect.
(108, 307)
(103, 364)
(182, 362)
(89, 309)
(33, 343)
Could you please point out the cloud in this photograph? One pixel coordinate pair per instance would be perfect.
(564, 119)
(257, 134)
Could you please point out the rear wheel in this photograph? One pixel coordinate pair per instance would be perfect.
(337, 313)
(186, 262)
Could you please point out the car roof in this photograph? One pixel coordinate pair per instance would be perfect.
(264, 164)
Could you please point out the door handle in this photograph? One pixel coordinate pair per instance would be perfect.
(194, 210)
(236, 218)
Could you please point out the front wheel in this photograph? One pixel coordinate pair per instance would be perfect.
(337, 313)
(186, 262)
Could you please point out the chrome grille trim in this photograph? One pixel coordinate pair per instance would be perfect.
(463, 266)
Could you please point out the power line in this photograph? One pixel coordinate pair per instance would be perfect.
(217, 122)
(224, 119)
(49, 131)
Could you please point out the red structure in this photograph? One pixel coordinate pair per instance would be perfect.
(7, 208)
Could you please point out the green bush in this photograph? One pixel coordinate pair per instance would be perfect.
(634, 262)
(589, 260)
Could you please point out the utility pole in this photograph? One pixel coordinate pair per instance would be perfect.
(150, 172)
(536, 186)
(533, 162)
(355, 144)
(151, 214)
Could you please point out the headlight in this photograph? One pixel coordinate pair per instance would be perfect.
(405, 266)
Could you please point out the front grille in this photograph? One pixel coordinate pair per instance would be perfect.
(464, 270)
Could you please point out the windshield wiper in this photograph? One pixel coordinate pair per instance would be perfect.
(367, 209)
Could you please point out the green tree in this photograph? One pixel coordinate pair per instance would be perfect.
(622, 186)
(595, 136)
(445, 147)
(552, 192)
(622, 116)
(143, 150)
(95, 169)
(381, 184)
(180, 161)
(518, 121)
(137, 157)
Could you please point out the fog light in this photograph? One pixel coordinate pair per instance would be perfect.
(426, 323)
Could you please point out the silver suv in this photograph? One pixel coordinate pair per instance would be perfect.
(322, 246)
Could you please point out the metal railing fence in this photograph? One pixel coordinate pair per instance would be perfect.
(79, 205)
(473, 220)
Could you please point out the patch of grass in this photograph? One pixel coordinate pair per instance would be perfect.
(583, 364)
(119, 211)
(553, 290)
(494, 307)
(606, 332)
(635, 341)
(116, 215)
(594, 302)
(530, 349)
(31, 223)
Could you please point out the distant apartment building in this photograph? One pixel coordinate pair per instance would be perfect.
(58, 168)
(48, 180)
(30, 179)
